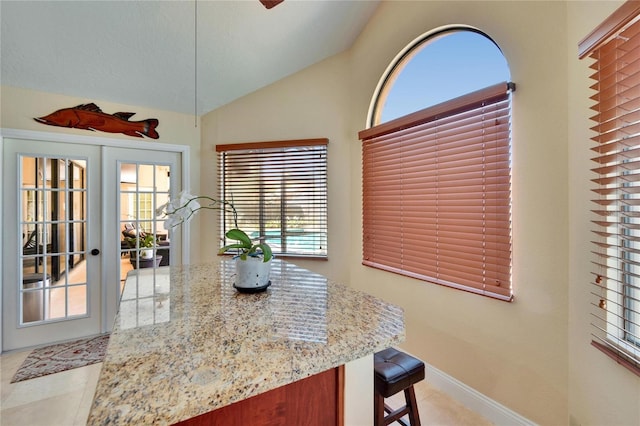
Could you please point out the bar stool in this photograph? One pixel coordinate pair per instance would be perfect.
(395, 371)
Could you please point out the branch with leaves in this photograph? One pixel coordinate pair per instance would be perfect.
(182, 209)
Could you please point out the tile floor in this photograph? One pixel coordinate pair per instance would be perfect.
(438, 408)
(64, 399)
(61, 399)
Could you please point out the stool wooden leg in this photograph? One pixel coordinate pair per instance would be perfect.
(410, 397)
(379, 410)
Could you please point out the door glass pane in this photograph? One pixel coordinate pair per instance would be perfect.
(53, 216)
(58, 236)
(144, 242)
(57, 302)
(75, 295)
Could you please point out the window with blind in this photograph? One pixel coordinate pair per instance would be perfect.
(279, 190)
(614, 49)
(437, 193)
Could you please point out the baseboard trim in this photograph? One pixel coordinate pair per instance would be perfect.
(491, 410)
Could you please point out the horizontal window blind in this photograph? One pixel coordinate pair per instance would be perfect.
(437, 193)
(279, 190)
(615, 49)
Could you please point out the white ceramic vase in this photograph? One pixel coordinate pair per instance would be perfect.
(146, 253)
(252, 273)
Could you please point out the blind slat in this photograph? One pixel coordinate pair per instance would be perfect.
(436, 194)
(615, 49)
(280, 192)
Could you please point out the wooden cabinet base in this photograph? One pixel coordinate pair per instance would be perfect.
(314, 401)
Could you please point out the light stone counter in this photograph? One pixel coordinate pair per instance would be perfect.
(185, 342)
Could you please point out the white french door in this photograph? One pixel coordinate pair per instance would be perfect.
(52, 216)
(144, 181)
(64, 253)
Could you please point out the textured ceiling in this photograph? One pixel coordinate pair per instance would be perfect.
(143, 52)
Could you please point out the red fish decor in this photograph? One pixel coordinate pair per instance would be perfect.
(91, 117)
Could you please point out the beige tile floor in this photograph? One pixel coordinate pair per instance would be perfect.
(438, 408)
(64, 399)
(61, 399)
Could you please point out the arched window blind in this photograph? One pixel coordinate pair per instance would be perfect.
(279, 189)
(437, 193)
(614, 47)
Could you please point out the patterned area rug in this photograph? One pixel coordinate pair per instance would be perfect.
(62, 357)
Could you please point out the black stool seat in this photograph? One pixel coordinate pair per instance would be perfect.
(396, 371)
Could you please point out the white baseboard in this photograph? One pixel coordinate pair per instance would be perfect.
(491, 410)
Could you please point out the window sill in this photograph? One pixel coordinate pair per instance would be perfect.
(617, 357)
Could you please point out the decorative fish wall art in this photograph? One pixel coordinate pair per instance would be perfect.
(91, 117)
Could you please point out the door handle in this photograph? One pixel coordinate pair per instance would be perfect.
(95, 252)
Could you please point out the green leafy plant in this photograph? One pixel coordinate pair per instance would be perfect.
(246, 246)
(147, 241)
(182, 209)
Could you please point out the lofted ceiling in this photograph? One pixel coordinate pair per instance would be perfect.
(144, 52)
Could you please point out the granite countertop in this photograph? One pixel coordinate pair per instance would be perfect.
(185, 342)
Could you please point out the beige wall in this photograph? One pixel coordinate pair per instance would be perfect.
(600, 391)
(18, 107)
(515, 353)
(311, 104)
(521, 353)
(532, 355)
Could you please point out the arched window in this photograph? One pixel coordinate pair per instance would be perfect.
(437, 68)
(436, 165)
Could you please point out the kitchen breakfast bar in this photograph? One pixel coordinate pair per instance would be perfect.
(189, 349)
